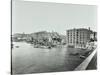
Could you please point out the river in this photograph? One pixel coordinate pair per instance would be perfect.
(27, 59)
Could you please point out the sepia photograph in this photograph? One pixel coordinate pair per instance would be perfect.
(52, 37)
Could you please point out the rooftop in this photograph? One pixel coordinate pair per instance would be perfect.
(80, 29)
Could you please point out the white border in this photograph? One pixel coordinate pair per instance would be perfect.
(88, 2)
(5, 28)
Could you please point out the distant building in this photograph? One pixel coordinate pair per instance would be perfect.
(78, 37)
(93, 36)
(47, 37)
(21, 37)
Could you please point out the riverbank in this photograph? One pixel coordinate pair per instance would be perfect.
(49, 46)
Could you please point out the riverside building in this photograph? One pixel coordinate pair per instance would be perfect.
(78, 38)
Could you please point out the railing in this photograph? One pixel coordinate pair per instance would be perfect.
(86, 62)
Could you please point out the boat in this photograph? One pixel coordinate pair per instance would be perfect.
(74, 54)
(49, 47)
(36, 46)
(17, 46)
(82, 56)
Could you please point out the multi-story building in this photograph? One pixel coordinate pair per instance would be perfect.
(78, 38)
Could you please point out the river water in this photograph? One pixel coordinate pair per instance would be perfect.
(27, 59)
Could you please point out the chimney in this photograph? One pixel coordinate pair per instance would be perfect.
(89, 28)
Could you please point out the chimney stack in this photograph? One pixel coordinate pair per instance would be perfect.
(89, 28)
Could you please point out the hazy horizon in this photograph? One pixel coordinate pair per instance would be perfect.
(30, 17)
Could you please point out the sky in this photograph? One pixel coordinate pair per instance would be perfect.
(30, 17)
